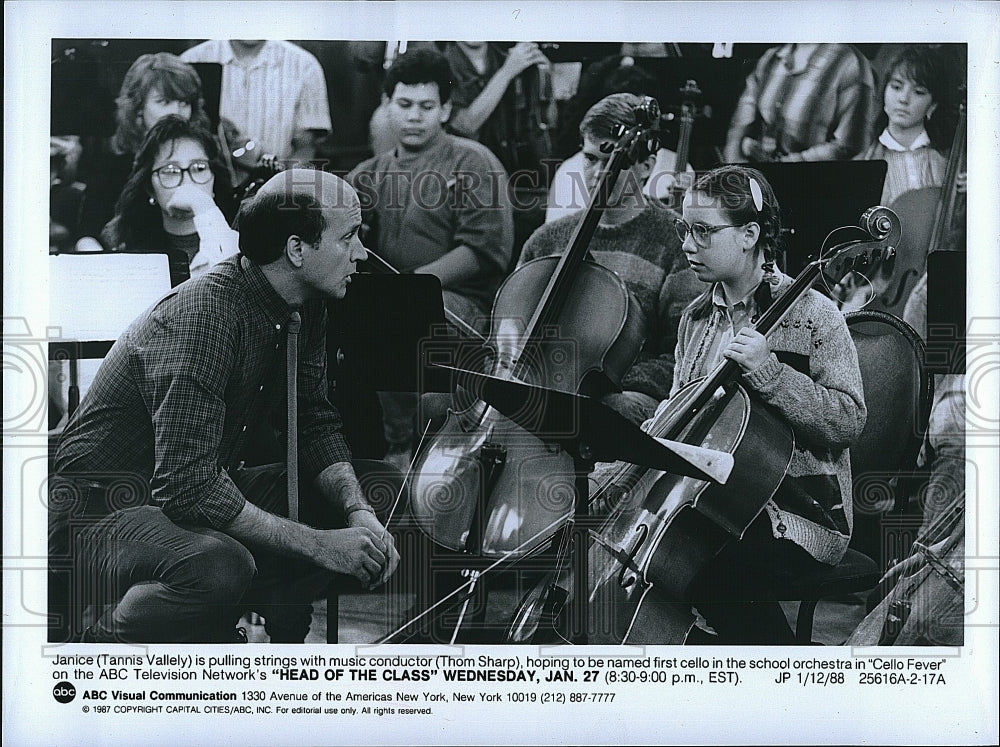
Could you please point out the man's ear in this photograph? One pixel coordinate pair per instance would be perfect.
(294, 247)
(445, 112)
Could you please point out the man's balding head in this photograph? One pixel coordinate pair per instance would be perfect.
(296, 202)
(327, 189)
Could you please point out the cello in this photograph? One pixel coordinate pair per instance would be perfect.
(926, 604)
(485, 488)
(661, 529)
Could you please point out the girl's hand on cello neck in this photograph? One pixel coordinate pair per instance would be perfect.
(749, 349)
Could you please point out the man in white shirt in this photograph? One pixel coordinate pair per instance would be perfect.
(273, 91)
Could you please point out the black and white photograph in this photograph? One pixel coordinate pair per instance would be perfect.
(556, 386)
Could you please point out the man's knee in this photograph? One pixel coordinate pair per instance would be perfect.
(218, 566)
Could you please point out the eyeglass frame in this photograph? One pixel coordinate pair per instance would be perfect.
(708, 228)
(248, 147)
(184, 170)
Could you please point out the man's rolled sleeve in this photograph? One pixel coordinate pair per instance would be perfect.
(744, 116)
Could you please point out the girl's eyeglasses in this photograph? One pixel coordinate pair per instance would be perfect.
(701, 232)
(171, 175)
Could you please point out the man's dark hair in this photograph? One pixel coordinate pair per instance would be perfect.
(417, 66)
(266, 221)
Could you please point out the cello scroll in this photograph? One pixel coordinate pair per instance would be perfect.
(883, 231)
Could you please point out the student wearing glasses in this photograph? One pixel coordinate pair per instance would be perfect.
(807, 370)
(168, 205)
(155, 86)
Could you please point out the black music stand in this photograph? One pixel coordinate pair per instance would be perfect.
(721, 82)
(817, 197)
(210, 74)
(388, 330)
(382, 336)
(589, 432)
(946, 305)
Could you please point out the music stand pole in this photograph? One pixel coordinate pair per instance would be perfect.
(580, 549)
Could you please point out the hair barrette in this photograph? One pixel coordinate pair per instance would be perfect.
(758, 197)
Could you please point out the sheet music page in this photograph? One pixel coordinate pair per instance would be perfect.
(359, 693)
(82, 284)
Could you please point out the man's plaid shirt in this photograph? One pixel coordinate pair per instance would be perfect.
(175, 397)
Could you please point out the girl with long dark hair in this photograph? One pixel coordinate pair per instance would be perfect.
(169, 206)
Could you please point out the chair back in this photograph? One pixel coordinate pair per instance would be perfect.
(898, 391)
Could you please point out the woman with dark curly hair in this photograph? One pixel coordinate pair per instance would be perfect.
(168, 205)
(155, 86)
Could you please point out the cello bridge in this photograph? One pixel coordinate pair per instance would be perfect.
(631, 572)
(493, 454)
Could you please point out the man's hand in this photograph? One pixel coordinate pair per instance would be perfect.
(340, 487)
(357, 551)
(368, 520)
(755, 151)
(189, 200)
(522, 56)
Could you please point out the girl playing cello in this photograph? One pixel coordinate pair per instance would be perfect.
(807, 371)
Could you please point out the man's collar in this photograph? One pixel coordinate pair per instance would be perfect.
(796, 57)
(260, 58)
(402, 154)
(275, 307)
(227, 55)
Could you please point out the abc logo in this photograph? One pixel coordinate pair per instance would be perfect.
(64, 692)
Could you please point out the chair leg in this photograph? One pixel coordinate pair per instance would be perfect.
(804, 622)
